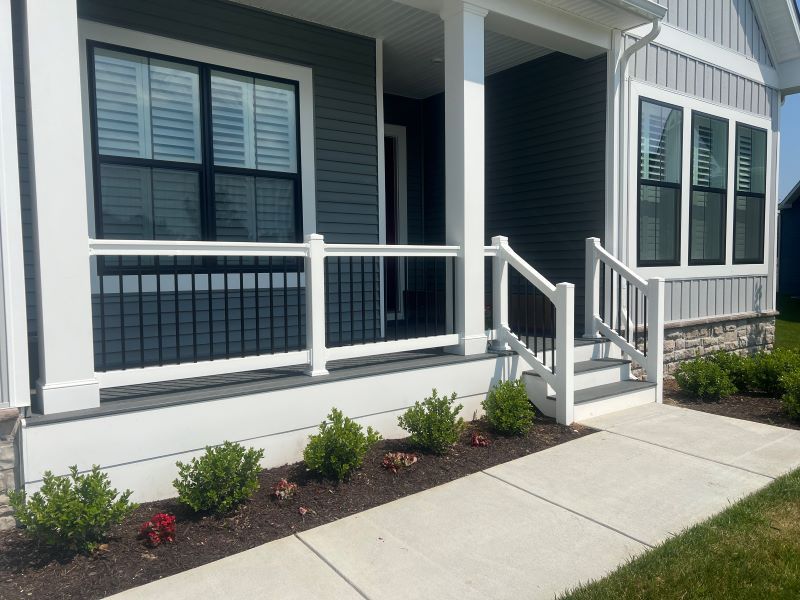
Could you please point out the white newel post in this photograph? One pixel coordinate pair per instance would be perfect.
(464, 166)
(500, 293)
(14, 385)
(66, 370)
(315, 304)
(591, 300)
(565, 352)
(655, 334)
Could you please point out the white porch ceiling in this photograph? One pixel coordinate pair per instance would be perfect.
(412, 39)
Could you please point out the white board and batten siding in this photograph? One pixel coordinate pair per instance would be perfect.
(686, 299)
(729, 23)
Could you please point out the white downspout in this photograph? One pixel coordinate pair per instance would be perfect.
(621, 250)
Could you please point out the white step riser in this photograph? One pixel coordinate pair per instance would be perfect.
(588, 410)
(611, 374)
(590, 351)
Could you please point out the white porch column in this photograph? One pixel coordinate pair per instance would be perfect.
(464, 165)
(14, 387)
(66, 376)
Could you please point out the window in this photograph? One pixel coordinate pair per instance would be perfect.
(187, 151)
(660, 135)
(709, 190)
(751, 182)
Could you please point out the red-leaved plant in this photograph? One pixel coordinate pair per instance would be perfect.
(479, 441)
(284, 489)
(159, 529)
(394, 461)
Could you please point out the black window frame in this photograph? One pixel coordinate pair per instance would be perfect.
(761, 196)
(697, 188)
(640, 181)
(205, 168)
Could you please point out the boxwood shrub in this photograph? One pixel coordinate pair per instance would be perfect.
(791, 395)
(770, 367)
(339, 447)
(703, 378)
(434, 423)
(223, 477)
(74, 511)
(508, 409)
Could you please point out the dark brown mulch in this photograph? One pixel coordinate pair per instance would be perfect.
(30, 572)
(749, 406)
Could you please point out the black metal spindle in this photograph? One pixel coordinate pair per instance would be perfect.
(194, 310)
(526, 330)
(177, 312)
(271, 310)
(619, 303)
(257, 297)
(644, 310)
(210, 319)
(100, 269)
(299, 263)
(227, 314)
(636, 334)
(363, 304)
(241, 311)
(339, 294)
(285, 305)
(553, 336)
(436, 295)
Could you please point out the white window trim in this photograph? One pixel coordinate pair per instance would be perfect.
(398, 133)
(129, 38)
(689, 103)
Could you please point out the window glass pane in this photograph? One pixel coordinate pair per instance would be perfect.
(176, 204)
(275, 127)
(706, 243)
(123, 127)
(235, 207)
(275, 210)
(660, 144)
(232, 120)
(658, 224)
(748, 229)
(127, 203)
(709, 152)
(175, 109)
(751, 160)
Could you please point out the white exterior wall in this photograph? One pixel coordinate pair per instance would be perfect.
(139, 449)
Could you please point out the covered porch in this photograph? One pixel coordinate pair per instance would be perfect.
(414, 148)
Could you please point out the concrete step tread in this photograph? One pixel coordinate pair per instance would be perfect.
(595, 364)
(610, 390)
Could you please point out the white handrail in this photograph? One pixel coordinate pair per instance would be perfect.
(393, 250)
(620, 267)
(192, 248)
(527, 271)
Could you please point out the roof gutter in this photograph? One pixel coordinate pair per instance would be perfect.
(646, 9)
(622, 214)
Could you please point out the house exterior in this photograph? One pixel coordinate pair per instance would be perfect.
(789, 244)
(219, 219)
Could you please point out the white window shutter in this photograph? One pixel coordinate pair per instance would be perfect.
(232, 120)
(275, 127)
(175, 108)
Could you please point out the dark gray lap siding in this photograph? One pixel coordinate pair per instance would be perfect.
(545, 163)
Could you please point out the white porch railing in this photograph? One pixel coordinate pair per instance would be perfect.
(626, 309)
(544, 322)
(212, 294)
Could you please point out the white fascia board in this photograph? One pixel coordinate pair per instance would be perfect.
(643, 8)
(789, 73)
(711, 53)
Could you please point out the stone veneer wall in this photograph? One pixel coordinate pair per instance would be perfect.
(743, 334)
(8, 465)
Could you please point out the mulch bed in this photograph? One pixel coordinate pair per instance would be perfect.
(749, 406)
(28, 571)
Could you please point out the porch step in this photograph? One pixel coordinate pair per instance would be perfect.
(594, 372)
(608, 398)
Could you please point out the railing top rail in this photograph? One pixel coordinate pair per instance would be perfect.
(192, 248)
(490, 250)
(620, 267)
(529, 273)
(390, 250)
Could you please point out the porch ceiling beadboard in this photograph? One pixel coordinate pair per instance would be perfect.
(412, 39)
(344, 91)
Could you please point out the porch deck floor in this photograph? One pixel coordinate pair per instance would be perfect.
(214, 387)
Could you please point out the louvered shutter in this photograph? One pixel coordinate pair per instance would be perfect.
(232, 120)
(175, 109)
(275, 127)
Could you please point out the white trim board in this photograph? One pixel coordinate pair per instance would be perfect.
(129, 38)
(690, 103)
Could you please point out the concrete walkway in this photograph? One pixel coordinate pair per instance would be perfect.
(530, 528)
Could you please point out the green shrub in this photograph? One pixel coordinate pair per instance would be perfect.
(434, 423)
(791, 394)
(223, 477)
(73, 511)
(740, 369)
(705, 379)
(339, 447)
(508, 409)
(770, 367)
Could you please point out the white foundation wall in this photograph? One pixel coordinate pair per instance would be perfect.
(139, 449)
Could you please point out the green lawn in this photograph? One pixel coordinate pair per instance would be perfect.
(787, 325)
(751, 550)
